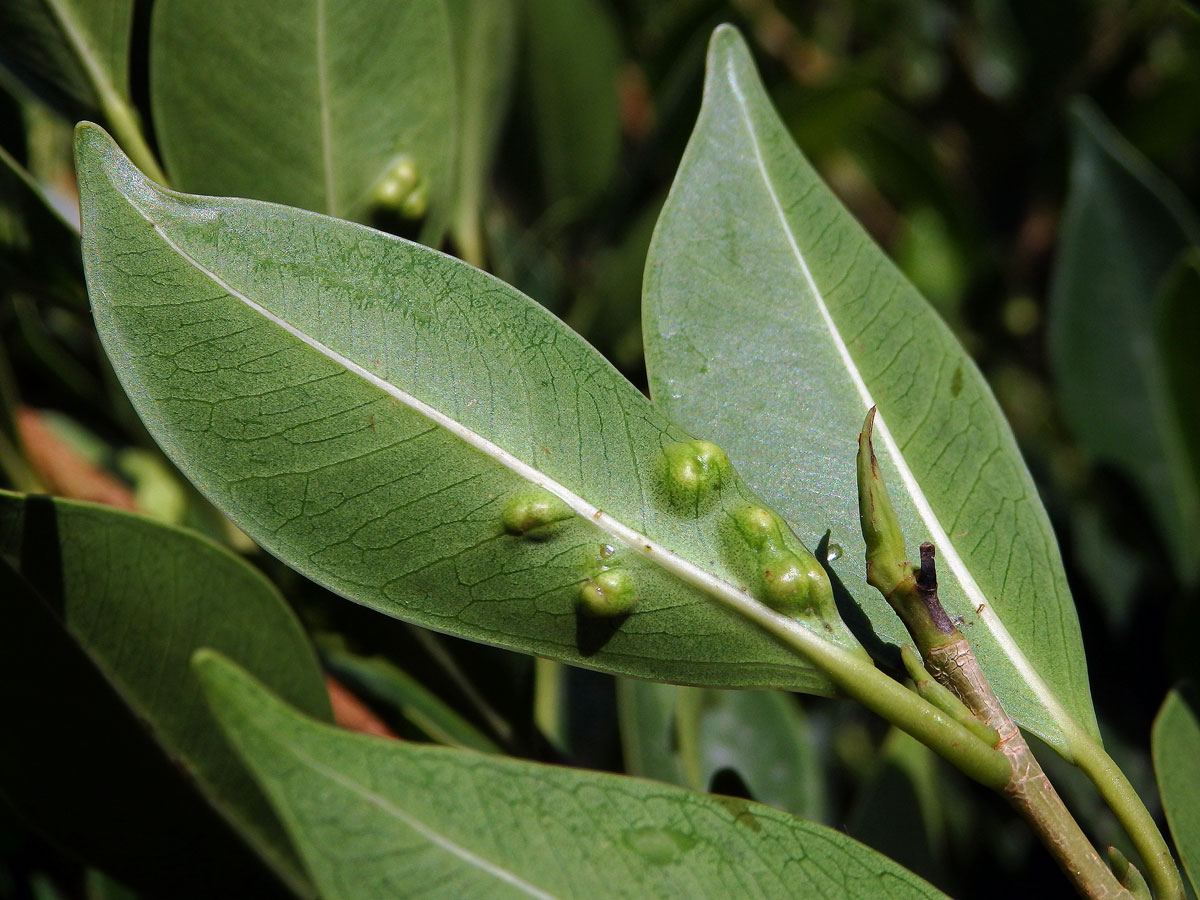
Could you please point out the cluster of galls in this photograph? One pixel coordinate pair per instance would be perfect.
(787, 577)
(609, 593)
(402, 190)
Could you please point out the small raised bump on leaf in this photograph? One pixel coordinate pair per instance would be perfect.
(793, 586)
(695, 472)
(791, 580)
(611, 593)
(396, 186)
(760, 528)
(416, 204)
(531, 510)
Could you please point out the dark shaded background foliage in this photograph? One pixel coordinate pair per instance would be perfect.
(943, 126)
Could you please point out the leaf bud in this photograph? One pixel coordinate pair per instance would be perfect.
(887, 557)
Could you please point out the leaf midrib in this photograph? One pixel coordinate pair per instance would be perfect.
(426, 831)
(106, 90)
(941, 539)
(788, 632)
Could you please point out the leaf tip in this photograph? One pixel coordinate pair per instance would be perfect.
(211, 666)
(726, 40)
(99, 159)
(91, 142)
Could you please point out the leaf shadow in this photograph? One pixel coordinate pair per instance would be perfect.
(593, 633)
(886, 655)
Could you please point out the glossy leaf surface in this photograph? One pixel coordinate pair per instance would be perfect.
(310, 105)
(1115, 337)
(384, 819)
(371, 411)
(104, 609)
(773, 320)
(71, 51)
(1176, 747)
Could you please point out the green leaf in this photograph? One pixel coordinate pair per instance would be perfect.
(607, 310)
(773, 319)
(99, 886)
(760, 735)
(381, 680)
(376, 817)
(485, 45)
(102, 612)
(904, 785)
(73, 52)
(378, 415)
(1177, 321)
(1175, 742)
(571, 59)
(309, 105)
(1124, 227)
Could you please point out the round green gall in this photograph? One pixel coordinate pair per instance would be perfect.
(695, 472)
(758, 527)
(531, 510)
(790, 586)
(416, 204)
(397, 185)
(609, 594)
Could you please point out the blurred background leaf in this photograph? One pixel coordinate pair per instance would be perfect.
(1177, 762)
(312, 105)
(71, 52)
(1118, 328)
(571, 55)
(103, 612)
(752, 744)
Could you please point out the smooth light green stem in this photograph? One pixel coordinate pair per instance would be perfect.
(1127, 806)
(858, 678)
(687, 732)
(468, 237)
(548, 701)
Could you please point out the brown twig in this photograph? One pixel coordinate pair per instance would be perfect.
(1029, 790)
